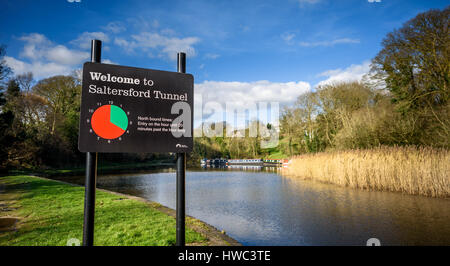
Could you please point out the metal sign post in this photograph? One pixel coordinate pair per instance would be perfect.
(91, 171)
(181, 175)
(128, 109)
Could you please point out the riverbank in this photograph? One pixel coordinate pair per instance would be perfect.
(411, 170)
(102, 168)
(40, 212)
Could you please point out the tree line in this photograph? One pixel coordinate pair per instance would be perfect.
(39, 122)
(403, 100)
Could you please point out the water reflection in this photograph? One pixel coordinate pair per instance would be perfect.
(259, 207)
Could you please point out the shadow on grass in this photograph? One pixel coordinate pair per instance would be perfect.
(52, 213)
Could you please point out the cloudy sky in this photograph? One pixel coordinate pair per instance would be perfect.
(274, 49)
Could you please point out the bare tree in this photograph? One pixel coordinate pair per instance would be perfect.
(25, 81)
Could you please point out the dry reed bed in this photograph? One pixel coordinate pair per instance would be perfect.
(418, 171)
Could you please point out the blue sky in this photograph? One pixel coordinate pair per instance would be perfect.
(282, 48)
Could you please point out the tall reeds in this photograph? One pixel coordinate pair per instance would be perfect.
(412, 170)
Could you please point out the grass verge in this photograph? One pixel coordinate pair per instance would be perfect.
(50, 213)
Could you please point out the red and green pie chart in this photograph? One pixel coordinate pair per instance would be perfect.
(109, 121)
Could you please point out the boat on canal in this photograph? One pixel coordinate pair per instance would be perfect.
(254, 162)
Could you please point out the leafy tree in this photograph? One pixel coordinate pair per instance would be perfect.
(12, 90)
(16, 147)
(415, 64)
(289, 124)
(13, 104)
(415, 61)
(61, 94)
(307, 104)
(6, 116)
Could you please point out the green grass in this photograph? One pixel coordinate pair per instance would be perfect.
(277, 155)
(52, 212)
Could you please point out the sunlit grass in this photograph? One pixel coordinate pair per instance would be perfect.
(277, 155)
(419, 171)
(51, 213)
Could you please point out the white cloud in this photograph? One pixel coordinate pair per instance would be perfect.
(329, 43)
(287, 37)
(38, 47)
(107, 61)
(308, 1)
(35, 38)
(114, 27)
(33, 45)
(303, 3)
(351, 73)
(244, 93)
(122, 42)
(143, 23)
(211, 56)
(62, 55)
(247, 98)
(168, 32)
(44, 58)
(39, 69)
(217, 100)
(84, 40)
(163, 46)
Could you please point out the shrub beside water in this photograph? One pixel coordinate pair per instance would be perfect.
(412, 170)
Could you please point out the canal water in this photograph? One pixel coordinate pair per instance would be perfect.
(258, 206)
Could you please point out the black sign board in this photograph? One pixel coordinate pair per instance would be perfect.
(127, 109)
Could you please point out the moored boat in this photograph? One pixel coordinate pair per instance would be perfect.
(245, 162)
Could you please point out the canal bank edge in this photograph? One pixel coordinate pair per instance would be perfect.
(213, 235)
